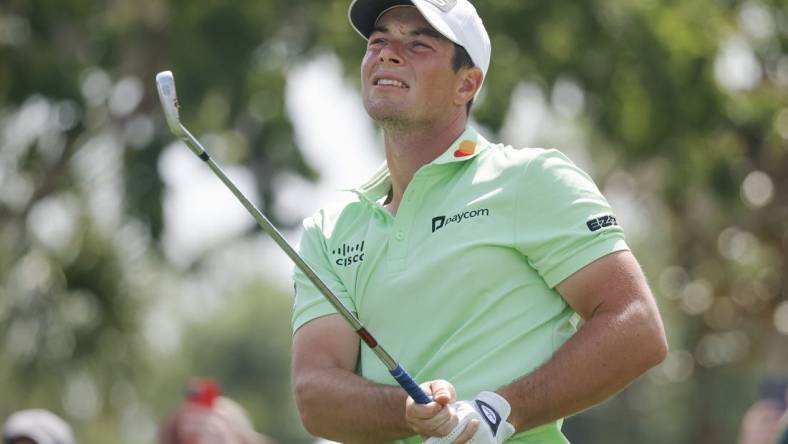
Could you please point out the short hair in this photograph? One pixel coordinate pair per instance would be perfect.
(461, 60)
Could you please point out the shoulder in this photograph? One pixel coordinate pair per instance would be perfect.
(529, 163)
(335, 216)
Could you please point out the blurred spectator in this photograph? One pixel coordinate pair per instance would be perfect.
(207, 418)
(783, 427)
(36, 426)
(766, 421)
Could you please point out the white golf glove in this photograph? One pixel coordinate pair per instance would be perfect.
(491, 410)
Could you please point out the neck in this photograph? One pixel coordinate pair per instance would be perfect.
(410, 148)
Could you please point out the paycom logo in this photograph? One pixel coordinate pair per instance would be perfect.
(439, 222)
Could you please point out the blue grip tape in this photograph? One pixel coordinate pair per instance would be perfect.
(410, 385)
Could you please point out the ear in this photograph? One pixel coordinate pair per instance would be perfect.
(469, 80)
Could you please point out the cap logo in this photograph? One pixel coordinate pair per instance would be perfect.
(443, 5)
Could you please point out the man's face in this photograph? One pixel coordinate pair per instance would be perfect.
(407, 76)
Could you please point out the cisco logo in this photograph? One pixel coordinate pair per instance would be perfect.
(349, 254)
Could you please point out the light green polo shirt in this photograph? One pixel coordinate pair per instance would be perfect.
(459, 285)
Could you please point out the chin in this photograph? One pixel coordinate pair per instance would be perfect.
(385, 112)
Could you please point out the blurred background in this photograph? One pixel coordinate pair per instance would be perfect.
(126, 267)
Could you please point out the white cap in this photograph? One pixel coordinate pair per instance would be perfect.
(457, 20)
(42, 426)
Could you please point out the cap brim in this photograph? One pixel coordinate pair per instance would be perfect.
(364, 13)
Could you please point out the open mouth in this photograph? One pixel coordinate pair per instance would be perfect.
(391, 82)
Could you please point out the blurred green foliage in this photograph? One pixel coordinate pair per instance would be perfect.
(684, 117)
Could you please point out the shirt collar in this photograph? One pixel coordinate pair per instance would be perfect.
(466, 147)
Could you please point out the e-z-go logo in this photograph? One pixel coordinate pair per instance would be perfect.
(349, 254)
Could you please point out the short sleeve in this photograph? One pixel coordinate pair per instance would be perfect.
(563, 222)
(309, 302)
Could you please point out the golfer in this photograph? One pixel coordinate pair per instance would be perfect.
(498, 277)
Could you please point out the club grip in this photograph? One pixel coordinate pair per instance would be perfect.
(410, 385)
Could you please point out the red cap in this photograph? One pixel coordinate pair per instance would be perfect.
(203, 392)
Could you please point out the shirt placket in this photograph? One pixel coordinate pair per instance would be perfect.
(402, 227)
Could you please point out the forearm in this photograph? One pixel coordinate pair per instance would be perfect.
(339, 405)
(607, 353)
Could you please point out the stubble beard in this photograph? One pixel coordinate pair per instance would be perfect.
(394, 123)
(396, 117)
(388, 117)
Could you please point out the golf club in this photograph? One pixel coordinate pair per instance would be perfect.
(165, 83)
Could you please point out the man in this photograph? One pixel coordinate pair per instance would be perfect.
(471, 262)
(766, 421)
(205, 417)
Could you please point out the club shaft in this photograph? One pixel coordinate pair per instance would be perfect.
(271, 230)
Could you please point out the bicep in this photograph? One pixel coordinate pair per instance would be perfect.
(325, 342)
(613, 282)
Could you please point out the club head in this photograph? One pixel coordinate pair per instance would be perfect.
(165, 84)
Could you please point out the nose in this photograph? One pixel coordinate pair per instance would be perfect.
(390, 54)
